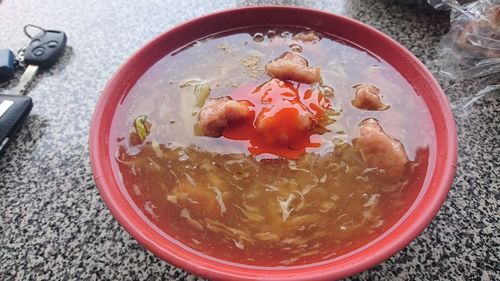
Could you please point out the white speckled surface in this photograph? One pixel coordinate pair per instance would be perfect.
(54, 225)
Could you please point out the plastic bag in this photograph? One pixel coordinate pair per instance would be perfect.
(472, 46)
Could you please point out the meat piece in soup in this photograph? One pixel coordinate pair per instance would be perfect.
(368, 97)
(283, 118)
(307, 36)
(217, 113)
(379, 150)
(292, 66)
(272, 164)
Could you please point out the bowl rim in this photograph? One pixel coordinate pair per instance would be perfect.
(124, 78)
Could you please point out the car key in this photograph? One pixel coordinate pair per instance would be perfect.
(43, 51)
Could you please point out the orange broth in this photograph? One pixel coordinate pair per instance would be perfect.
(238, 198)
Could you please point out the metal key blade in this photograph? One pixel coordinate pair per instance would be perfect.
(28, 76)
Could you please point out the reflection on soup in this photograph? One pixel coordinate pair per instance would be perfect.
(273, 146)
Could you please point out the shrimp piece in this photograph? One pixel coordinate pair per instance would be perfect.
(217, 113)
(368, 97)
(292, 66)
(380, 150)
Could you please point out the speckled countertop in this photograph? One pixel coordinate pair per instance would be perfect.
(53, 223)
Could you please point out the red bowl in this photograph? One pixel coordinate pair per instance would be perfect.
(415, 220)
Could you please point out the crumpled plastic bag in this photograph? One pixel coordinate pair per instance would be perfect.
(472, 46)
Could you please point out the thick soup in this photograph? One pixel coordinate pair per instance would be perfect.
(272, 146)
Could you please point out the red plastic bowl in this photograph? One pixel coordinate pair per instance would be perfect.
(415, 220)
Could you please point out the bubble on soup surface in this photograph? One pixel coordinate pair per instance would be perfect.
(271, 34)
(286, 34)
(258, 37)
(296, 48)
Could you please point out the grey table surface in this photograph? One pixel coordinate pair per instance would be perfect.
(53, 223)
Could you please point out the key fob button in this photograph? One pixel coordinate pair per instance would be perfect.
(52, 44)
(35, 42)
(39, 51)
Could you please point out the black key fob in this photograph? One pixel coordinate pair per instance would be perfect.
(45, 48)
(13, 112)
